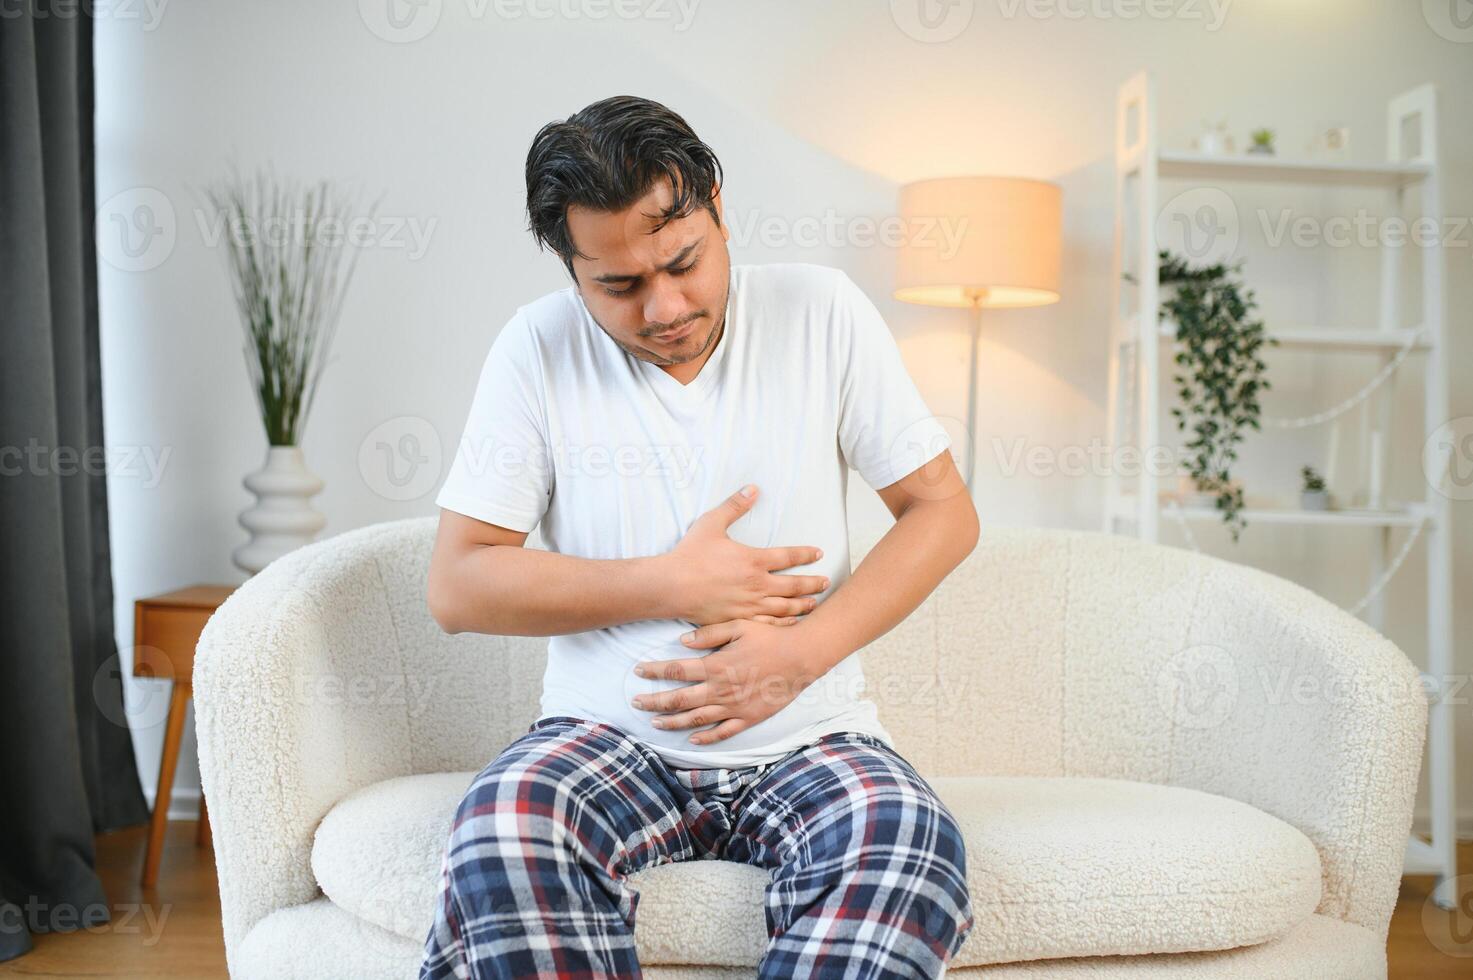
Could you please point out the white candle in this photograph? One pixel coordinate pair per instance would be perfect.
(1376, 453)
(1330, 456)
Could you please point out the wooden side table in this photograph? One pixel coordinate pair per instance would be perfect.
(166, 629)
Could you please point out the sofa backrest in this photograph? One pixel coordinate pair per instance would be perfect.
(1046, 652)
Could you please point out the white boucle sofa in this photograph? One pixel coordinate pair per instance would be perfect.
(1165, 764)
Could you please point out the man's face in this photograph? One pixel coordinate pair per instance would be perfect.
(661, 296)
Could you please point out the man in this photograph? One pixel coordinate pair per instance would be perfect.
(682, 430)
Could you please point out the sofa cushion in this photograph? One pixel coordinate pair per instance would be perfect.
(1057, 867)
(319, 939)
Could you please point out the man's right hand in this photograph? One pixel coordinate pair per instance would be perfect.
(717, 579)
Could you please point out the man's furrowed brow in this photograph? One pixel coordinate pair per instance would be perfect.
(679, 258)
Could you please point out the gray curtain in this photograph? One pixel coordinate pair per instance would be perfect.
(66, 756)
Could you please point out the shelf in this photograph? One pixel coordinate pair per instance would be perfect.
(1350, 339)
(1409, 516)
(1273, 169)
(1341, 338)
(1147, 174)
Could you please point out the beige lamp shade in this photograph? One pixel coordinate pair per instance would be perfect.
(993, 241)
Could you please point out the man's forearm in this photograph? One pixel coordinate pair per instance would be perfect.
(929, 540)
(513, 591)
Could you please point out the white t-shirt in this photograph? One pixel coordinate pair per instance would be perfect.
(616, 459)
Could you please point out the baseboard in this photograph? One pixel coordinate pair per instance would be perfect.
(1462, 823)
(183, 803)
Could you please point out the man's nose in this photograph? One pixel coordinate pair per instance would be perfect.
(666, 303)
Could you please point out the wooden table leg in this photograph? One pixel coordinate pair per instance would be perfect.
(173, 735)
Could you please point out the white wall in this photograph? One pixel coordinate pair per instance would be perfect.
(818, 111)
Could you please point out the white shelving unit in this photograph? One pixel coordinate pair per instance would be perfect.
(1138, 339)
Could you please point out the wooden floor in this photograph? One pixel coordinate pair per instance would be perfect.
(174, 930)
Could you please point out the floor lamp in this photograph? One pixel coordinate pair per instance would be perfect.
(979, 242)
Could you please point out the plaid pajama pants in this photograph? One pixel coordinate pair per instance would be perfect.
(868, 866)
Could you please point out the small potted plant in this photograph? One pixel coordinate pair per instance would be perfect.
(1263, 142)
(1313, 496)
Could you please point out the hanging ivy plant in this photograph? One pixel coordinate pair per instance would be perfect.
(1219, 372)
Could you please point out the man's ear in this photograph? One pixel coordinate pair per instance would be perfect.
(720, 214)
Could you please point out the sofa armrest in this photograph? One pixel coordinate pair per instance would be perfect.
(1057, 652)
(295, 706)
(1260, 690)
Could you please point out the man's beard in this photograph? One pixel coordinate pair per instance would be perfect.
(653, 357)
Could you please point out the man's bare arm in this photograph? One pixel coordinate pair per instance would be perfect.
(482, 580)
(935, 528)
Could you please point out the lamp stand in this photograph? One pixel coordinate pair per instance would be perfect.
(977, 296)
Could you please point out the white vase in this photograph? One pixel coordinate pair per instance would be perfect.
(1314, 499)
(282, 519)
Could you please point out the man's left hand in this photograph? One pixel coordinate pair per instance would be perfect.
(759, 669)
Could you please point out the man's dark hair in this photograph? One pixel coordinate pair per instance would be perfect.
(608, 155)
